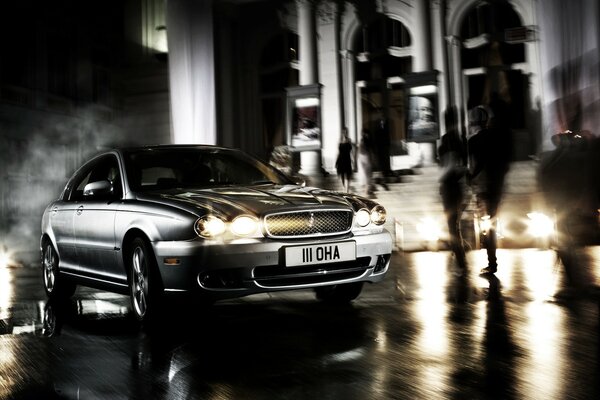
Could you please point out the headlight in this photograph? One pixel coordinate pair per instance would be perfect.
(210, 226)
(244, 225)
(378, 215)
(363, 217)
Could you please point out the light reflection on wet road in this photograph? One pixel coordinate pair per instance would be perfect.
(422, 333)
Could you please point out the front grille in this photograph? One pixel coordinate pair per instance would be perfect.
(308, 223)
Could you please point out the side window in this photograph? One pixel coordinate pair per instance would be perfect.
(105, 169)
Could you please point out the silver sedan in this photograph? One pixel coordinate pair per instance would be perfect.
(208, 221)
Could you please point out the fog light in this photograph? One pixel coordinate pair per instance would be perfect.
(172, 261)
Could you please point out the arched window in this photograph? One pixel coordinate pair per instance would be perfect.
(379, 45)
(487, 33)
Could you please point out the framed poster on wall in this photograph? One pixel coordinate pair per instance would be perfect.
(422, 121)
(423, 124)
(304, 117)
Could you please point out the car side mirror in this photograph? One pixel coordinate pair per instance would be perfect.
(102, 188)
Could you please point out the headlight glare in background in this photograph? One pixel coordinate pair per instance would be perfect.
(363, 217)
(244, 225)
(485, 224)
(378, 215)
(540, 225)
(210, 226)
(429, 229)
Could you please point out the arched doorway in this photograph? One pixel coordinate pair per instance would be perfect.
(278, 70)
(383, 56)
(493, 60)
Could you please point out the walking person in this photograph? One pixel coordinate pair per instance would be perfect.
(453, 160)
(364, 162)
(489, 148)
(343, 164)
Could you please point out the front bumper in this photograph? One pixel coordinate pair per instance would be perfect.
(247, 266)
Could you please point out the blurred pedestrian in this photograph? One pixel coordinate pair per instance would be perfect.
(343, 164)
(364, 162)
(382, 141)
(453, 160)
(489, 153)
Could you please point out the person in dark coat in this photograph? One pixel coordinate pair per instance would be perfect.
(343, 163)
(489, 147)
(452, 153)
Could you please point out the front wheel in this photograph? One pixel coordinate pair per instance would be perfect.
(55, 284)
(339, 294)
(144, 283)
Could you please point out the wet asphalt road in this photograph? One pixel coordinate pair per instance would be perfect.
(423, 333)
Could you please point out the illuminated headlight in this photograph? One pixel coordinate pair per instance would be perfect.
(363, 217)
(378, 215)
(540, 225)
(244, 225)
(210, 226)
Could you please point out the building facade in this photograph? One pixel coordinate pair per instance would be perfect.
(76, 77)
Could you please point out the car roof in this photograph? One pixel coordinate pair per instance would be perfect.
(174, 147)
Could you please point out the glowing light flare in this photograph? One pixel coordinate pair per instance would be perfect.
(540, 225)
(485, 224)
(429, 229)
(5, 258)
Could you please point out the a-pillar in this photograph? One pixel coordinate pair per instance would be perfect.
(310, 161)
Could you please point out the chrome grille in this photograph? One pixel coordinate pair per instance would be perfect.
(308, 223)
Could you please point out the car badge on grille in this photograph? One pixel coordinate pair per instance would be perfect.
(311, 220)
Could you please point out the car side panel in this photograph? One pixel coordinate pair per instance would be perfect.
(95, 240)
(60, 228)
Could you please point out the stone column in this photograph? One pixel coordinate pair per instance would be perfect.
(422, 153)
(422, 37)
(310, 161)
(455, 44)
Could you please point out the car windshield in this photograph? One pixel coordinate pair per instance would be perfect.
(152, 169)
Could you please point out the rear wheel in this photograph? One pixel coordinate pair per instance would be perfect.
(144, 283)
(55, 284)
(340, 294)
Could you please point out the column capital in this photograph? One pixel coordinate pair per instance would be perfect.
(326, 12)
(347, 54)
(454, 40)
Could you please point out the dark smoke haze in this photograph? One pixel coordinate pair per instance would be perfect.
(36, 164)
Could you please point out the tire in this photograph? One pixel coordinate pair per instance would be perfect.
(55, 284)
(145, 287)
(339, 294)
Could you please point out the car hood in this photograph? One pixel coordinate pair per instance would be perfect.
(256, 200)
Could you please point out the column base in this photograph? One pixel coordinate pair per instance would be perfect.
(310, 163)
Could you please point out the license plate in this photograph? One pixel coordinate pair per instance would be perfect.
(320, 254)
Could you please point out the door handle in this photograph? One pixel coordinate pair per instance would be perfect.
(79, 210)
(54, 209)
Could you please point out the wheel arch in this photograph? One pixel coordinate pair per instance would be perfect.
(128, 238)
